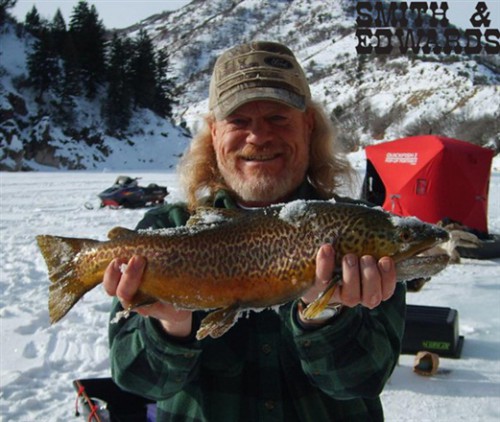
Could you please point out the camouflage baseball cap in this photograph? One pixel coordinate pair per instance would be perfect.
(259, 70)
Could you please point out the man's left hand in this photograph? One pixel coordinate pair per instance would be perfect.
(365, 281)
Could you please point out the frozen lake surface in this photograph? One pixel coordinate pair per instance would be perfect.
(39, 361)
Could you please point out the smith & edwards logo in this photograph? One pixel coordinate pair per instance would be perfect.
(380, 24)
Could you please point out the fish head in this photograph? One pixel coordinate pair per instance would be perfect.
(363, 230)
(413, 236)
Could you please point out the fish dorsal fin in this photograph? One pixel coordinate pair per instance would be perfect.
(119, 232)
(210, 216)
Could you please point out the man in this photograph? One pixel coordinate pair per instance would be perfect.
(265, 142)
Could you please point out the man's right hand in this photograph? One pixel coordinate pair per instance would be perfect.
(124, 285)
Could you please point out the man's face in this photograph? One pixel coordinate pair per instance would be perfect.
(262, 150)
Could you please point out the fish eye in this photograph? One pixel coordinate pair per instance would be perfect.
(405, 235)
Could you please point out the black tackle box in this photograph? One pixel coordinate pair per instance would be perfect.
(434, 329)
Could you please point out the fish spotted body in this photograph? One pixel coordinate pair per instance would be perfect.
(228, 261)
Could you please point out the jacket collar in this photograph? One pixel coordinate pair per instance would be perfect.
(223, 199)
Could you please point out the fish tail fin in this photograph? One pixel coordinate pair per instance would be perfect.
(314, 309)
(67, 286)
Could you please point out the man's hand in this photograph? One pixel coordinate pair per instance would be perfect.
(365, 281)
(124, 286)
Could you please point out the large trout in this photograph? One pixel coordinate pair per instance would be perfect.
(229, 261)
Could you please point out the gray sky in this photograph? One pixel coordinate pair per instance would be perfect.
(123, 13)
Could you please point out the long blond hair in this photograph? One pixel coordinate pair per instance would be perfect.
(328, 167)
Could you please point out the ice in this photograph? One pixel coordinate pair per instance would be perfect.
(40, 360)
(293, 211)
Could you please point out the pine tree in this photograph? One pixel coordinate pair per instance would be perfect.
(59, 32)
(43, 67)
(88, 34)
(143, 71)
(118, 105)
(34, 23)
(71, 62)
(5, 5)
(64, 91)
(164, 86)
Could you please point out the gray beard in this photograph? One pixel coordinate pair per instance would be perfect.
(261, 188)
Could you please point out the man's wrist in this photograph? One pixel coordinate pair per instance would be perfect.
(180, 330)
(329, 313)
(157, 333)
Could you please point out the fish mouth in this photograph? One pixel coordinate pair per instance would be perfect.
(421, 266)
(438, 236)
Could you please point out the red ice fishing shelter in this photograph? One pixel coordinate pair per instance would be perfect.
(430, 177)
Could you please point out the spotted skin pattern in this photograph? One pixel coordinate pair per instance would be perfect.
(254, 259)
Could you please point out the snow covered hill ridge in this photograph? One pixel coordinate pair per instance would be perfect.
(371, 97)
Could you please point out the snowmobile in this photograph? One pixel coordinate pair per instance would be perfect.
(127, 193)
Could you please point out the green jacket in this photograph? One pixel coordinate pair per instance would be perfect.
(267, 367)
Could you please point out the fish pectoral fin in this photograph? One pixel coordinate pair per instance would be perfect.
(216, 323)
(314, 309)
(140, 299)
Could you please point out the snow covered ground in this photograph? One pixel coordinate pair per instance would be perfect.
(38, 361)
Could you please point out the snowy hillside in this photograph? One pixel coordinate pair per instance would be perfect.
(32, 139)
(371, 97)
